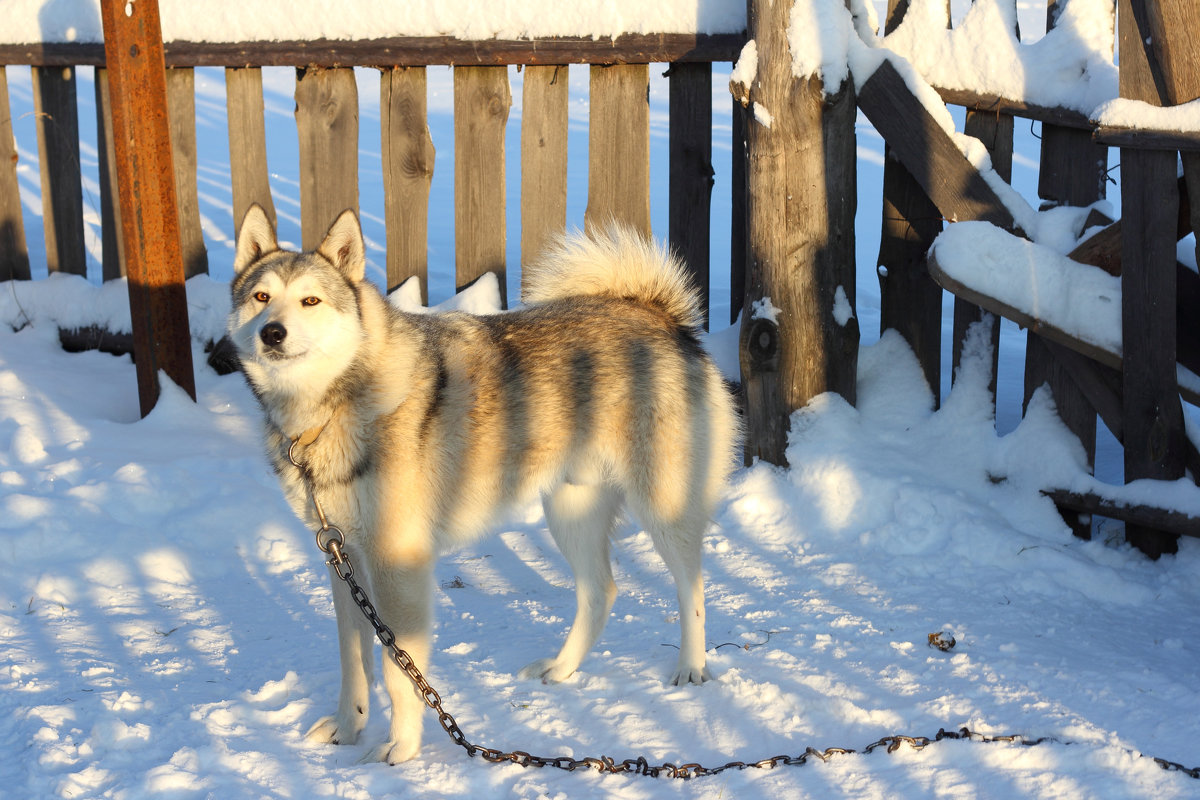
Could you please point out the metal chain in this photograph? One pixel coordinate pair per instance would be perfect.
(331, 540)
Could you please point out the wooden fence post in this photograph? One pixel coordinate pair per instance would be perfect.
(799, 335)
(482, 98)
(909, 300)
(544, 122)
(408, 156)
(1156, 67)
(327, 124)
(14, 256)
(57, 110)
(149, 220)
(247, 142)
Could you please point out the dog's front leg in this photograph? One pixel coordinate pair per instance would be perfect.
(404, 600)
(355, 648)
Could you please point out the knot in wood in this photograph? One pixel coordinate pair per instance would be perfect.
(760, 341)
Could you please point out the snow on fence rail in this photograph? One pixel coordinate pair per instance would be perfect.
(930, 180)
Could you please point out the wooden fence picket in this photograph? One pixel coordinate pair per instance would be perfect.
(327, 125)
(691, 169)
(544, 106)
(112, 255)
(408, 156)
(249, 175)
(619, 147)
(57, 112)
(181, 114)
(14, 256)
(482, 98)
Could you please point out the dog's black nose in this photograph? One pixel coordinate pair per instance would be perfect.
(273, 334)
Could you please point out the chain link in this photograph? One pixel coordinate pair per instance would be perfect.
(331, 540)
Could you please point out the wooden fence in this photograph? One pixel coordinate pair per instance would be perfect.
(773, 251)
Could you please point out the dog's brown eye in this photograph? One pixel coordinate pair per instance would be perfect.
(311, 301)
(262, 297)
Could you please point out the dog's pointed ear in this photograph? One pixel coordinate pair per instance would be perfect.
(256, 238)
(343, 246)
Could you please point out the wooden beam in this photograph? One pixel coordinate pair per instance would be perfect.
(1162, 519)
(931, 156)
(629, 48)
(149, 220)
(1147, 138)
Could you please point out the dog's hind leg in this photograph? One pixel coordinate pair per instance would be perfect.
(355, 648)
(581, 519)
(679, 546)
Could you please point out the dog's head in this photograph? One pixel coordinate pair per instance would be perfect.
(294, 315)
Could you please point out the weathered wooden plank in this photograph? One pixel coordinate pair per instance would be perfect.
(14, 255)
(1168, 28)
(629, 48)
(150, 223)
(1152, 415)
(737, 214)
(928, 152)
(408, 157)
(619, 147)
(994, 103)
(247, 143)
(801, 241)
(691, 170)
(910, 302)
(543, 157)
(1163, 519)
(57, 121)
(327, 125)
(482, 98)
(181, 112)
(1072, 172)
(112, 246)
(1147, 138)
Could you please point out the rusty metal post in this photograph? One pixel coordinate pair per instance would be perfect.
(146, 183)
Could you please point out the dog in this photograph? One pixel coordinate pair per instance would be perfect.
(417, 430)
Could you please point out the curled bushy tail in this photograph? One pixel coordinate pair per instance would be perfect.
(615, 261)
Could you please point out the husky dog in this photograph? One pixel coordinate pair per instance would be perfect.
(417, 430)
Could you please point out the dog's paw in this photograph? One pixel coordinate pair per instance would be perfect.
(547, 670)
(685, 674)
(329, 730)
(392, 752)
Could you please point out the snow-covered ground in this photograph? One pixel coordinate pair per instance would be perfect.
(166, 627)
